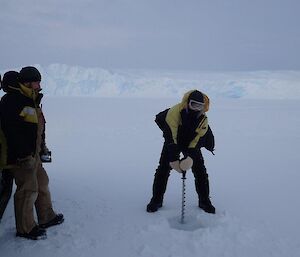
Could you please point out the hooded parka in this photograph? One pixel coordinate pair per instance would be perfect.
(23, 124)
(185, 131)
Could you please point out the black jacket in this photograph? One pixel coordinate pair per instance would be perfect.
(184, 130)
(19, 125)
(186, 133)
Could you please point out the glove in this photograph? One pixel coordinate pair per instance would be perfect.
(27, 162)
(186, 163)
(45, 150)
(175, 165)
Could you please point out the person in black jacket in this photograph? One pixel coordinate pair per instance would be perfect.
(10, 78)
(185, 130)
(23, 124)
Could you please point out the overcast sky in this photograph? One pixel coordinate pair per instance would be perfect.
(152, 34)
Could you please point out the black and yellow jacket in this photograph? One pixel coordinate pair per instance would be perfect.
(19, 121)
(184, 130)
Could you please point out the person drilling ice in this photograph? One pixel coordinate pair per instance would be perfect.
(185, 130)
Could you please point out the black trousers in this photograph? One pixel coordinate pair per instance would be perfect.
(6, 185)
(163, 172)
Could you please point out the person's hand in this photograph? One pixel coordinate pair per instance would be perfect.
(186, 163)
(175, 165)
(45, 150)
(27, 162)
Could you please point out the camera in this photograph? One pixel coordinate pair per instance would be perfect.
(46, 157)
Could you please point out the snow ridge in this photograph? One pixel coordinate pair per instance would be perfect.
(64, 80)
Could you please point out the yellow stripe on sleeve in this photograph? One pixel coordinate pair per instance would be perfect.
(201, 131)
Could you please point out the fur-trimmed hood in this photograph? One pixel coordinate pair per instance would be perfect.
(185, 99)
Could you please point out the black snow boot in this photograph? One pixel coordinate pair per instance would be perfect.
(202, 188)
(58, 219)
(35, 234)
(158, 189)
(207, 206)
(153, 207)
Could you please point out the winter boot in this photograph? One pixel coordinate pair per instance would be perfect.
(58, 219)
(207, 206)
(158, 189)
(202, 188)
(153, 207)
(35, 234)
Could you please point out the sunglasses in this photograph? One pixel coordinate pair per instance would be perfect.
(196, 106)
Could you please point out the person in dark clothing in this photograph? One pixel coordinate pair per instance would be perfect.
(185, 130)
(10, 78)
(23, 124)
(6, 185)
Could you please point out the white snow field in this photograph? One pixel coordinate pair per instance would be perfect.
(106, 150)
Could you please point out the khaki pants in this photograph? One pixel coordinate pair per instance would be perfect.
(32, 190)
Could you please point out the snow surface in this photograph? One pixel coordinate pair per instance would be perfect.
(105, 152)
